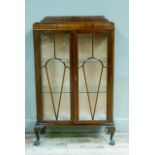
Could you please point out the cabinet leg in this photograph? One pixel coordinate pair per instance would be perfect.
(43, 131)
(37, 130)
(111, 131)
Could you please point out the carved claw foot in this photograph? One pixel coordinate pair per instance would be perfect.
(111, 131)
(37, 130)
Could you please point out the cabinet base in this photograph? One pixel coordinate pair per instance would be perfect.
(41, 129)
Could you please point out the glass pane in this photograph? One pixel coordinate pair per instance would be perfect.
(92, 62)
(55, 75)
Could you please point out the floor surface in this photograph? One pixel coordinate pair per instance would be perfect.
(77, 144)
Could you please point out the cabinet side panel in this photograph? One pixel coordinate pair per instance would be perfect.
(110, 75)
(37, 74)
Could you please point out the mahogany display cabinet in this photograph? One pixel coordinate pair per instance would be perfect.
(74, 61)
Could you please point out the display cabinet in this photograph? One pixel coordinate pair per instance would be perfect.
(74, 59)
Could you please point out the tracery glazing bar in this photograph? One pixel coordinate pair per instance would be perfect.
(50, 91)
(87, 93)
(55, 76)
(92, 62)
(61, 93)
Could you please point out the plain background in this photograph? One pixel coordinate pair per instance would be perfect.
(141, 69)
(116, 11)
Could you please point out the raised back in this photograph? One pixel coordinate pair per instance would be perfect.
(52, 19)
(73, 23)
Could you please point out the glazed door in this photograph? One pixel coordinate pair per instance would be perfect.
(92, 76)
(55, 76)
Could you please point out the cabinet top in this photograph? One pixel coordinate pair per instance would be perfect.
(73, 23)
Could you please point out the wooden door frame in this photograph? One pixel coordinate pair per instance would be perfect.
(110, 76)
(37, 57)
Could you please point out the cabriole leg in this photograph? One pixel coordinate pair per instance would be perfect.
(37, 129)
(111, 131)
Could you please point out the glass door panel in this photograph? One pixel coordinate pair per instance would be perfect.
(55, 75)
(92, 72)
